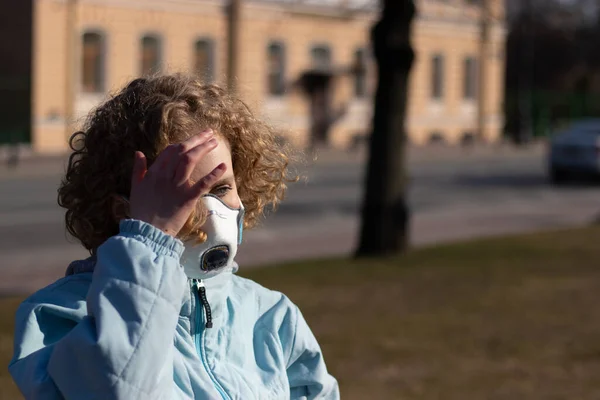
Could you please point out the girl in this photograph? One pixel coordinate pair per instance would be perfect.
(159, 187)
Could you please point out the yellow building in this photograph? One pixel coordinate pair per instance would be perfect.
(84, 49)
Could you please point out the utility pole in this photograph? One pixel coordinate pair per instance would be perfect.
(233, 30)
(484, 41)
(70, 73)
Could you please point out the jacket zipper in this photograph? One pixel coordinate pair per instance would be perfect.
(199, 292)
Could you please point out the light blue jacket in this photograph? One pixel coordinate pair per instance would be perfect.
(136, 328)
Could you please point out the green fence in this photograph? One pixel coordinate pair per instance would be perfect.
(15, 109)
(551, 110)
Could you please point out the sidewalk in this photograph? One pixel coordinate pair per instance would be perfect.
(35, 165)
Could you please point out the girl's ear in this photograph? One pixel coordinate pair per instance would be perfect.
(120, 207)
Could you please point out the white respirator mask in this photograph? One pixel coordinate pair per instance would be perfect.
(223, 227)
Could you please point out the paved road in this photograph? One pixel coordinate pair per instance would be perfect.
(454, 195)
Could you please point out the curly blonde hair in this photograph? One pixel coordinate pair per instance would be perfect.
(148, 115)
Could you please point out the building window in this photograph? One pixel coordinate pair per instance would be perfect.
(321, 57)
(204, 59)
(276, 68)
(437, 138)
(150, 62)
(470, 78)
(360, 73)
(467, 139)
(93, 63)
(437, 77)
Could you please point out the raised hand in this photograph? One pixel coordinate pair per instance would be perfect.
(163, 194)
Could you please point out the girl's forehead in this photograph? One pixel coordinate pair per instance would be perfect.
(218, 155)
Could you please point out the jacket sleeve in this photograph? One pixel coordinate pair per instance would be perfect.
(307, 373)
(123, 348)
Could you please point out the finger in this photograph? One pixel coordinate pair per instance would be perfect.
(169, 162)
(203, 185)
(188, 161)
(195, 140)
(139, 168)
(160, 165)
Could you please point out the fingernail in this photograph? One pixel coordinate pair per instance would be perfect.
(212, 142)
(207, 132)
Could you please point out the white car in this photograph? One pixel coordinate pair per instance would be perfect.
(575, 151)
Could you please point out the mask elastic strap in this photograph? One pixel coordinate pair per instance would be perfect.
(242, 213)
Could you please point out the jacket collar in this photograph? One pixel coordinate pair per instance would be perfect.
(217, 286)
(88, 264)
(81, 266)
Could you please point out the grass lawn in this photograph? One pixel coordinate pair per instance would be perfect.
(509, 318)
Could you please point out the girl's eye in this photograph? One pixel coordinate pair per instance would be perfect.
(221, 191)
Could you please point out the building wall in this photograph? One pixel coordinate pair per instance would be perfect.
(448, 27)
(452, 29)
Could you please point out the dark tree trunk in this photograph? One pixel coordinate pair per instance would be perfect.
(385, 214)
